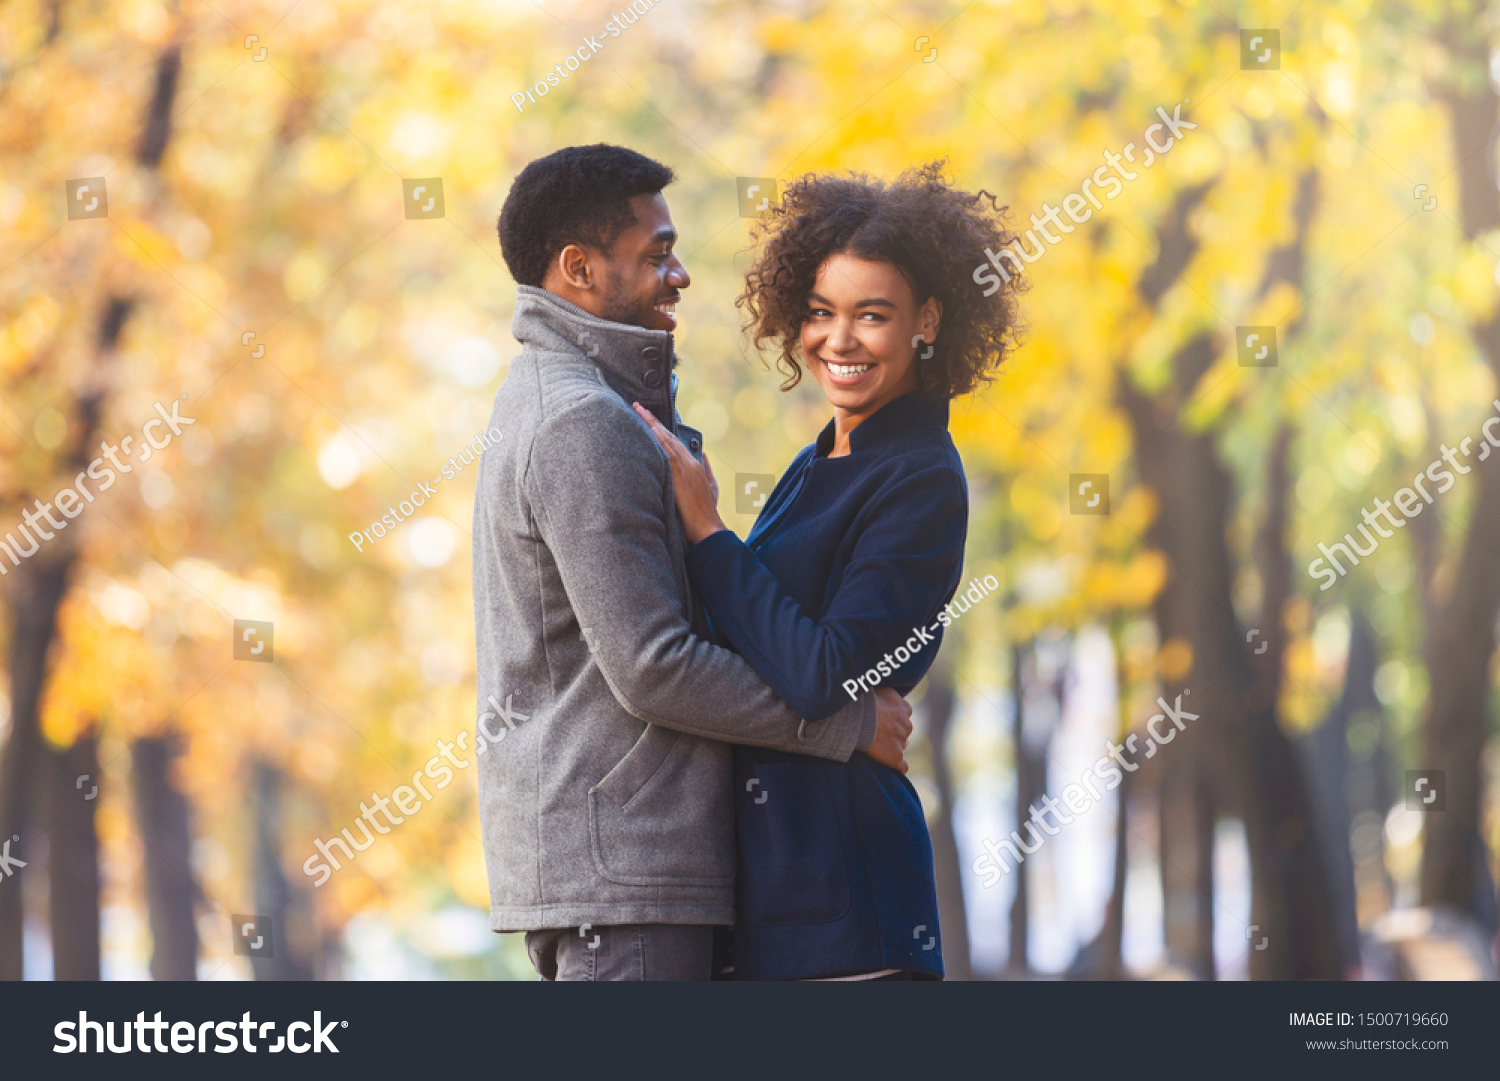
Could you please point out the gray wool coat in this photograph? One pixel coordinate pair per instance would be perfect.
(608, 714)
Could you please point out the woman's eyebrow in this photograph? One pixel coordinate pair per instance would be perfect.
(868, 302)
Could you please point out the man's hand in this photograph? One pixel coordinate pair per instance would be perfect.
(892, 729)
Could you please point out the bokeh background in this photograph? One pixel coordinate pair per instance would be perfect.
(1340, 189)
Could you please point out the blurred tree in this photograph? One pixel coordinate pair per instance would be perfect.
(1463, 637)
(940, 707)
(73, 858)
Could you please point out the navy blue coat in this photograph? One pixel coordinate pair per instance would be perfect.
(850, 556)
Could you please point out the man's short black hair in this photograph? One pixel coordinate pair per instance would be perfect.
(577, 195)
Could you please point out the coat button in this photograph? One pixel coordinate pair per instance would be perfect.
(693, 443)
(652, 378)
(651, 352)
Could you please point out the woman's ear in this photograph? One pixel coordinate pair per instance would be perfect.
(930, 318)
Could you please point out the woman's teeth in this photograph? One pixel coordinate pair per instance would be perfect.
(847, 371)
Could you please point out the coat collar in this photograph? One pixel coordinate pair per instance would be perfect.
(895, 419)
(637, 362)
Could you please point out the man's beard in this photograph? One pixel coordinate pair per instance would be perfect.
(621, 307)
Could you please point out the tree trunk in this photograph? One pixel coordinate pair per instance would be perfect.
(939, 709)
(37, 586)
(274, 896)
(73, 866)
(36, 590)
(163, 815)
(1325, 751)
(1100, 958)
(1464, 638)
(1027, 791)
(1247, 748)
(1186, 825)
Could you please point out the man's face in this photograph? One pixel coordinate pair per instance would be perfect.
(640, 278)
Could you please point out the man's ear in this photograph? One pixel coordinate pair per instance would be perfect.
(573, 265)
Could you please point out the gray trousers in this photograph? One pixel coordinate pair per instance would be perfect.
(636, 951)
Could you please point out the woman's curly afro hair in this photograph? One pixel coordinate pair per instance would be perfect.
(933, 234)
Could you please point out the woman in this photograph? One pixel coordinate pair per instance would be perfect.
(858, 549)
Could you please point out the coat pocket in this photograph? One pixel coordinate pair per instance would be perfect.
(792, 856)
(662, 816)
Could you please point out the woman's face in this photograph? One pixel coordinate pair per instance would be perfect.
(858, 335)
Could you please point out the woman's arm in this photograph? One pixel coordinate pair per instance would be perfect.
(905, 566)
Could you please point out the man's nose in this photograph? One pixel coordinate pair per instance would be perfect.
(678, 277)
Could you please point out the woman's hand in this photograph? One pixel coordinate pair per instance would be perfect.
(696, 491)
(892, 729)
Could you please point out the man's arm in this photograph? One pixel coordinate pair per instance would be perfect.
(599, 485)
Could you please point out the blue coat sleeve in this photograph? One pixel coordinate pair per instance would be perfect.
(903, 568)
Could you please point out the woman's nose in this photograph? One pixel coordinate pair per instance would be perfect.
(841, 336)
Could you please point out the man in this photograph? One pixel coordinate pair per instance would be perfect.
(606, 811)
